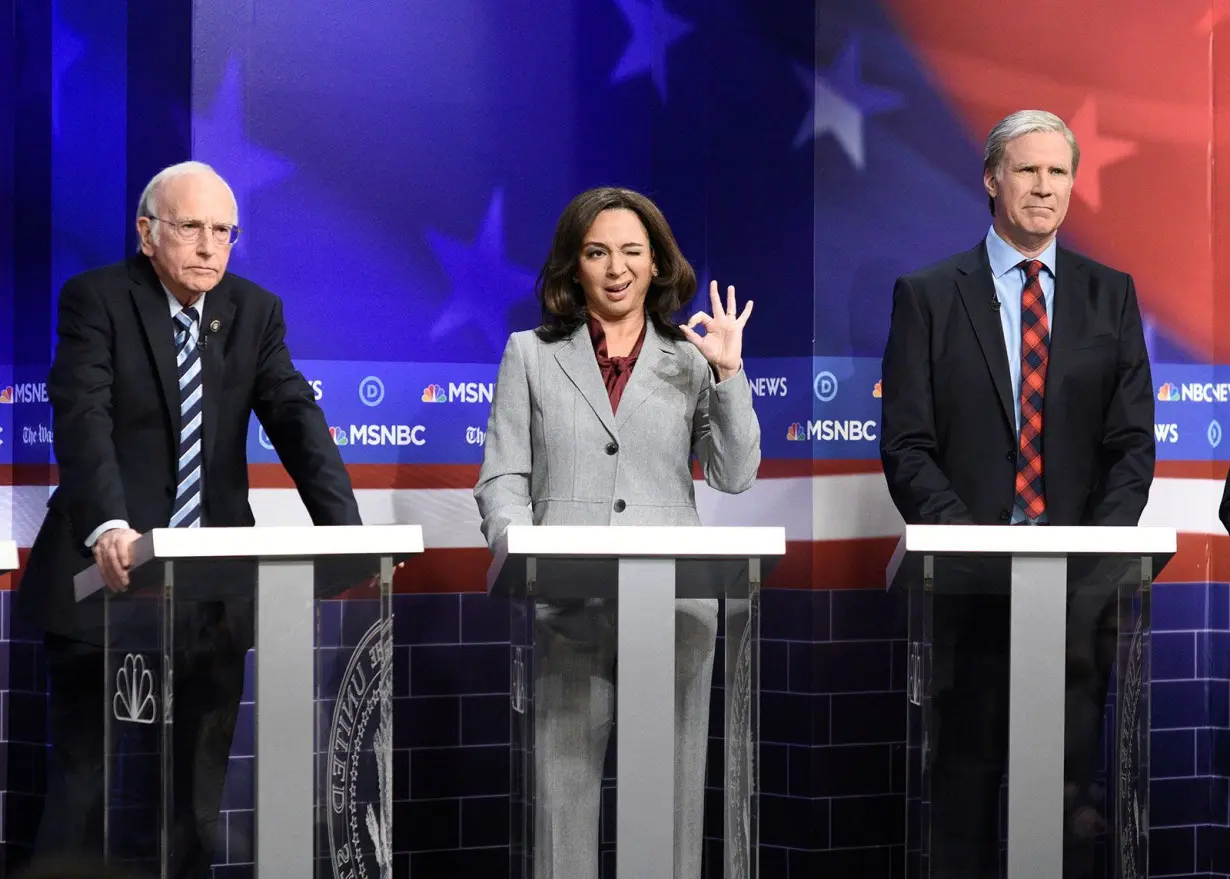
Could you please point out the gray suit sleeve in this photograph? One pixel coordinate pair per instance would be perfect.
(503, 489)
(726, 433)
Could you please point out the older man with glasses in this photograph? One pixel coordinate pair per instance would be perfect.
(160, 361)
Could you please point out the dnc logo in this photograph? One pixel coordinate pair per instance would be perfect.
(434, 394)
(1168, 393)
(797, 433)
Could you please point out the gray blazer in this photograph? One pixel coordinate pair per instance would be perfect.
(556, 455)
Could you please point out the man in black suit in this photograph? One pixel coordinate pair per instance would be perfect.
(159, 364)
(1016, 389)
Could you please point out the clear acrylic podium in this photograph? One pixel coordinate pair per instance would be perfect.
(1056, 583)
(638, 572)
(315, 602)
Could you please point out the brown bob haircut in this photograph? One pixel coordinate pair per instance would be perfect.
(561, 297)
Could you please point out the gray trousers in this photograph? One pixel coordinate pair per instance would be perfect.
(574, 706)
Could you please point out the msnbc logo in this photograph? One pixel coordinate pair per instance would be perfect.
(340, 435)
(1168, 393)
(797, 433)
(877, 391)
(434, 394)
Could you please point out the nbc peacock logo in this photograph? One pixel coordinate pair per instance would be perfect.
(434, 394)
(796, 432)
(6, 395)
(878, 390)
(340, 436)
(134, 700)
(1168, 393)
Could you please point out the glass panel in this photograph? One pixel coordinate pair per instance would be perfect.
(957, 704)
(354, 719)
(174, 671)
(565, 643)
(134, 669)
(1010, 665)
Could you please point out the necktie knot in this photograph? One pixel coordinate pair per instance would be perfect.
(187, 317)
(1032, 267)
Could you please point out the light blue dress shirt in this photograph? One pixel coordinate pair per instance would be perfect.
(1009, 283)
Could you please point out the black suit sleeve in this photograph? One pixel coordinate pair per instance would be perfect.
(908, 446)
(286, 406)
(1128, 447)
(79, 385)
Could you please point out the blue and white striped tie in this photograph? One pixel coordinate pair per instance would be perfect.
(187, 510)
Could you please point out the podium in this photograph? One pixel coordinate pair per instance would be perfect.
(637, 573)
(1056, 583)
(315, 602)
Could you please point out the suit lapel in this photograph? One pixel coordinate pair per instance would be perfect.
(151, 304)
(645, 379)
(215, 325)
(1071, 278)
(977, 292)
(576, 358)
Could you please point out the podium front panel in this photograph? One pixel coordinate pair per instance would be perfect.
(1014, 665)
(613, 672)
(319, 771)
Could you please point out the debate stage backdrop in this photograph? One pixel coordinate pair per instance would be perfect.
(400, 165)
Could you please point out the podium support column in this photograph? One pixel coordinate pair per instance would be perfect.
(285, 718)
(1036, 716)
(645, 714)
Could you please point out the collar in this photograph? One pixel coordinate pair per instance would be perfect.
(1004, 257)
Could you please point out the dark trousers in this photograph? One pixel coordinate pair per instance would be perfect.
(970, 729)
(208, 684)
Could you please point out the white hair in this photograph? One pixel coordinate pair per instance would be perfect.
(148, 204)
(1019, 124)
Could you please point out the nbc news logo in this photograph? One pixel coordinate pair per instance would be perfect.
(1168, 393)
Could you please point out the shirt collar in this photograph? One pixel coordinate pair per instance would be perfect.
(175, 306)
(1004, 257)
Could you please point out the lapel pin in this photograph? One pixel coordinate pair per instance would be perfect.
(214, 325)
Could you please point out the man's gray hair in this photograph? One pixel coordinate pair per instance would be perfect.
(1019, 124)
(148, 204)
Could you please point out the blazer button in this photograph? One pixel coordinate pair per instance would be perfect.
(1010, 456)
(1004, 515)
(620, 506)
(612, 447)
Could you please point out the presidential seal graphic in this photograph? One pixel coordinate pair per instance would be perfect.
(360, 762)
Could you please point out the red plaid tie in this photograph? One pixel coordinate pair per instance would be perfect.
(1035, 350)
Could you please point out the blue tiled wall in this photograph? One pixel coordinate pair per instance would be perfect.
(832, 723)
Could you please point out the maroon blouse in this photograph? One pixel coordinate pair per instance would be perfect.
(615, 370)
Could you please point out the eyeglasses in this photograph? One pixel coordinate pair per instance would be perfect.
(190, 231)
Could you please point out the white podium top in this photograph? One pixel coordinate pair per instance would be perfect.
(8, 556)
(635, 541)
(1019, 540)
(281, 542)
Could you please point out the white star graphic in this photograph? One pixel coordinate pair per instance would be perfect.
(839, 102)
(219, 139)
(653, 30)
(1097, 152)
(485, 285)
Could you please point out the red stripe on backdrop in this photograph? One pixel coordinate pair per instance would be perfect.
(825, 564)
(409, 476)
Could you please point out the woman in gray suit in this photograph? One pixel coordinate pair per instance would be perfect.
(595, 419)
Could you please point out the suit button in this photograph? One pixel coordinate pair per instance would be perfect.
(1004, 515)
(612, 447)
(1011, 456)
(620, 506)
